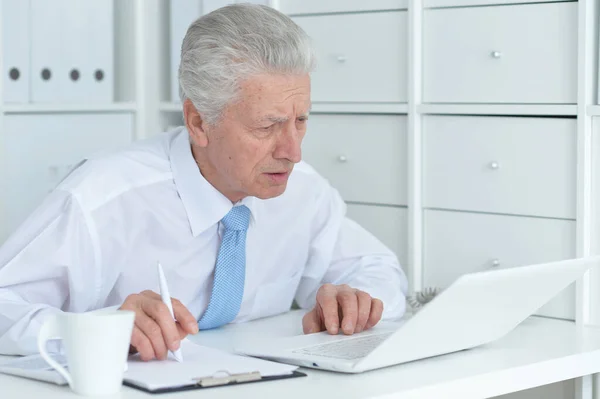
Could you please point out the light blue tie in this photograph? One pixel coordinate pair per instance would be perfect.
(230, 271)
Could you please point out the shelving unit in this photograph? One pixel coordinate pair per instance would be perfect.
(129, 98)
(498, 109)
(69, 108)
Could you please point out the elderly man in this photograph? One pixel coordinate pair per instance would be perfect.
(241, 226)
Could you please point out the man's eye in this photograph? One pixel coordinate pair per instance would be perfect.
(267, 128)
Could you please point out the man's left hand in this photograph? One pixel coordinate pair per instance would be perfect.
(355, 310)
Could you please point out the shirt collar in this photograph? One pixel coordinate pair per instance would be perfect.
(204, 204)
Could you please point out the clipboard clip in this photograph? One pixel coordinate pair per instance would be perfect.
(227, 378)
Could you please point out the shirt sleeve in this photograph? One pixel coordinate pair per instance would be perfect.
(343, 252)
(47, 266)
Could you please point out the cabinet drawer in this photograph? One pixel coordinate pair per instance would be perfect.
(29, 170)
(501, 54)
(458, 242)
(363, 156)
(388, 224)
(295, 7)
(361, 57)
(523, 166)
(467, 3)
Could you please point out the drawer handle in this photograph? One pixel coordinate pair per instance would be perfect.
(495, 263)
(341, 58)
(342, 158)
(496, 54)
(494, 165)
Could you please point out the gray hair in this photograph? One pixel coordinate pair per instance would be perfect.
(235, 42)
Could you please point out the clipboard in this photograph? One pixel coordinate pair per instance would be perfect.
(218, 381)
(202, 367)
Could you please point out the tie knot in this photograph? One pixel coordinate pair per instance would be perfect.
(237, 218)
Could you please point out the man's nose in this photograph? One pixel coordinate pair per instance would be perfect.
(289, 145)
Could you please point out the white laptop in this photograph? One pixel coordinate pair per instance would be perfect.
(476, 309)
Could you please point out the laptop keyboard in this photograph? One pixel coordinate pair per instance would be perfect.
(347, 349)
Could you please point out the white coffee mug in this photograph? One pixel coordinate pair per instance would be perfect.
(96, 346)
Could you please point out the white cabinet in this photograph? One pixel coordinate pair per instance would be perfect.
(363, 156)
(38, 150)
(464, 3)
(361, 56)
(294, 7)
(501, 54)
(456, 243)
(388, 224)
(510, 165)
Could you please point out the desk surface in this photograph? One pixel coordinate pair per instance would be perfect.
(538, 352)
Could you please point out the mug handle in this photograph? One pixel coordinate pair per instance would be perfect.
(50, 331)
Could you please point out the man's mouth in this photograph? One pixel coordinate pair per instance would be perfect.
(278, 177)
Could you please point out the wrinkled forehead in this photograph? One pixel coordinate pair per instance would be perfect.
(275, 97)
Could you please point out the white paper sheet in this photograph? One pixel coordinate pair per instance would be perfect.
(199, 362)
(35, 367)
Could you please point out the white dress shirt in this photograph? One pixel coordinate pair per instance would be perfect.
(97, 238)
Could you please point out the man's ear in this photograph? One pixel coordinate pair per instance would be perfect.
(194, 123)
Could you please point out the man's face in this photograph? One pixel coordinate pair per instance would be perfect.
(253, 149)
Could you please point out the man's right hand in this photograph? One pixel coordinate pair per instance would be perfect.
(155, 332)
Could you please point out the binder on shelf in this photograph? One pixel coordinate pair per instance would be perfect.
(72, 52)
(98, 74)
(75, 63)
(183, 13)
(47, 79)
(87, 65)
(15, 50)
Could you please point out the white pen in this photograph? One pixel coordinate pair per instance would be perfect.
(166, 298)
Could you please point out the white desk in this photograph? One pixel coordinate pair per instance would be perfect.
(540, 351)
